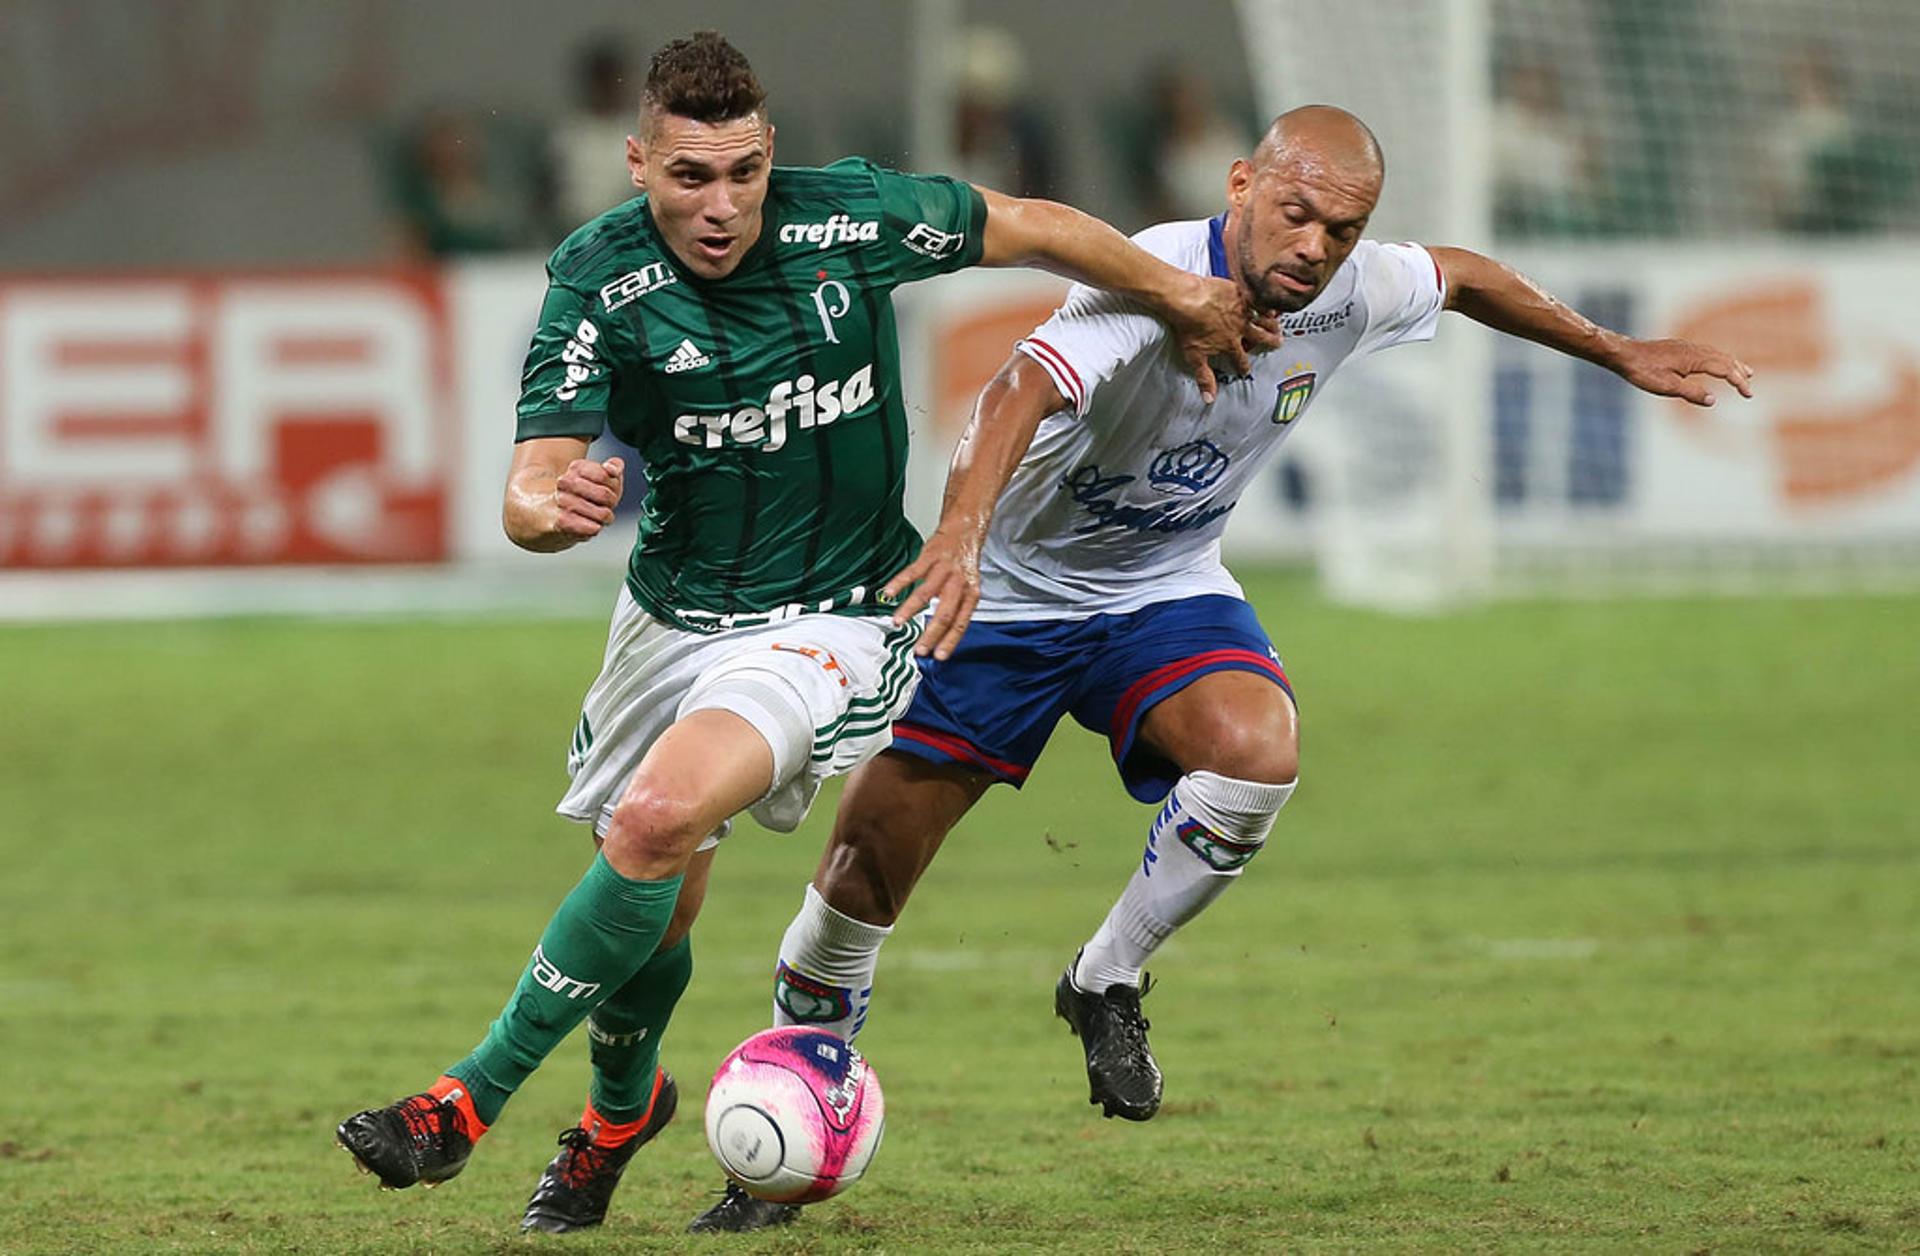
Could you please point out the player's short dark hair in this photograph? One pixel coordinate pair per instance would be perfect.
(702, 77)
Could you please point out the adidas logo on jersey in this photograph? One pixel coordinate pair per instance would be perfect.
(687, 357)
(791, 402)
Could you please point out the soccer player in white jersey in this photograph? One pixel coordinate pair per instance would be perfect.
(1102, 591)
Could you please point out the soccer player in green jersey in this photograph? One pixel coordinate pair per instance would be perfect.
(735, 325)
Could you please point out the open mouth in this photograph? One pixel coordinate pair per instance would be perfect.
(714, 247)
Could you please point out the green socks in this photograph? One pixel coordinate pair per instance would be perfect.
(625, 1032)
(605, 931)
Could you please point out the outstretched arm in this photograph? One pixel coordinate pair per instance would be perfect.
(948, 568)
(1209, 317)
(1489, 292)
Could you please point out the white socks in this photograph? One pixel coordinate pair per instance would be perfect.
(827, 961)
(1209, 828)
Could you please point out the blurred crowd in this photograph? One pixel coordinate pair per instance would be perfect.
(462, 184)
(1588, 159)
(1573, 154)
(459, 183)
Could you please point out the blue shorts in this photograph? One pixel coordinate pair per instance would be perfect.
(993, 704)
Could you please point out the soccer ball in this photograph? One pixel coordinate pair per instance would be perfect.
(794, 1115)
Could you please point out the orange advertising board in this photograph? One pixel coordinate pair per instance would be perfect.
(225, 420)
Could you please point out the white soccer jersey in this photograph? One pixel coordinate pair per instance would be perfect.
(1121, 499)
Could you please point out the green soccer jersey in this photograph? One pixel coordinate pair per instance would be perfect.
(767, 404)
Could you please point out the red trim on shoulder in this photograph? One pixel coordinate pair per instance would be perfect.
(959, 748)
(1051, 356)
(1128, 707)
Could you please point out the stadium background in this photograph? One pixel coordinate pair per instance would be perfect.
(1592, 926)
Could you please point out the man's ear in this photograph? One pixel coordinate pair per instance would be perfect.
(637, 162)
(1239, 180)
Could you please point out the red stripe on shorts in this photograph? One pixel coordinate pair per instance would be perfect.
(960, 749)
(1138, 691)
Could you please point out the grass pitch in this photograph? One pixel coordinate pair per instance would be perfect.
(1594, 926)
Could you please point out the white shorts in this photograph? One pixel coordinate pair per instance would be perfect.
(823, 690)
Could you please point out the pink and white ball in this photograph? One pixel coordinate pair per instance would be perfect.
(794, 1115)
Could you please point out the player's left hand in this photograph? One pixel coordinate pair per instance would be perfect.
(1681, 368)
(946, 574)
(1215, 319)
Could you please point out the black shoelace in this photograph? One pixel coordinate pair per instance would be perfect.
(585, 1160)
(431, 1125)
(1126, 1002)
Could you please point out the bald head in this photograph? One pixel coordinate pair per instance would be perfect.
(1323, 136)
(1298, 206)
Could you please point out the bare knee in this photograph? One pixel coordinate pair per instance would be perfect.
(1266, 751)
(651, 834)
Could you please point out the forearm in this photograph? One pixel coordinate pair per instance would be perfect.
(531, 514)
(1060, 239)
(997, 436)
(1500, 297)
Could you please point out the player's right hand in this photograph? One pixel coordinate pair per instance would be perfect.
(946, 576)
(585, 495)
(1216, 320)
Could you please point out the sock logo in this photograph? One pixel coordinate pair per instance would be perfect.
(607, 1039)
(810, 1001)
(1222, 854)
(550, 977)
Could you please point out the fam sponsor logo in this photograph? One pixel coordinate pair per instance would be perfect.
(1190, 468)
(1098, 493)
(1295, 391)
(635, 284)
(606, 1039)
(548, 974)
(930, 241)
(579, 355)
(791, 403)
(1315, 322)
(838, 229)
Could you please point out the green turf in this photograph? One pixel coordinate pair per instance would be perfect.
(1593, 926)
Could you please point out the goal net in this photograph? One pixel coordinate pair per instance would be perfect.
(1743, 172)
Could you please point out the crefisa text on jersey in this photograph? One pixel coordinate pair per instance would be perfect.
(766, 426)
(837, 229)
(577, 355)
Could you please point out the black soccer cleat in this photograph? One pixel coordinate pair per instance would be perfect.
(417, 1139)
(574, 1192)
(738, 1212)
(1121, 1074)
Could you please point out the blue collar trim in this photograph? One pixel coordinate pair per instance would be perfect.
(1217, 246)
